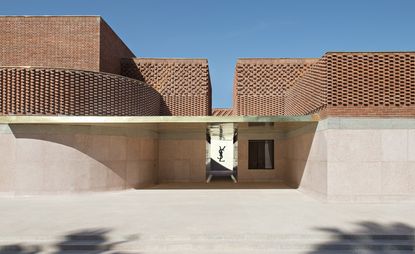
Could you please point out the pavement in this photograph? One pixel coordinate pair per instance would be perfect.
(168, 218)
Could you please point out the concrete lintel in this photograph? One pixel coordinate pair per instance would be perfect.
(150, 119)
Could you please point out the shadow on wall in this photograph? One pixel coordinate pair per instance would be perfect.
(104, 159)
(129, 68)
(85, 241)
(296, 155)
(370, 237)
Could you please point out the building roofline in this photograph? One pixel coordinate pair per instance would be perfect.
(169, 58)
(369, 52)
(277, 60)
(35, 16)
(37, 119)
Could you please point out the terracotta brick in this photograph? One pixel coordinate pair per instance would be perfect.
(184, 84)
(42, 91)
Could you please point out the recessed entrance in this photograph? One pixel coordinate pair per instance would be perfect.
(222, 152)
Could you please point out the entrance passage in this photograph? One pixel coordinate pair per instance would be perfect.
(222, 151)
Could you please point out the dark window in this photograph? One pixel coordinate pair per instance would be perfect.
(261, 154)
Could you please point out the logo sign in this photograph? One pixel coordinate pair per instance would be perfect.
(221, 152)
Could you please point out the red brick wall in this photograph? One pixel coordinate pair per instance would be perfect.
(112, 50)
(260, 84)
(184, 84)
(47, 41)
(356, 84)
(43, 91)
(309, 93)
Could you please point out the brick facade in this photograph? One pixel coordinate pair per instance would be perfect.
(41, 91)
(73, 42)
(184, 84)
(356, 84)
(47, 61)
(260, 84)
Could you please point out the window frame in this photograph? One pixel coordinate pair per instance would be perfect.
(272, 154)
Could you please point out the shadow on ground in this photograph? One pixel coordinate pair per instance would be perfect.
(85, 241)
(370, 237)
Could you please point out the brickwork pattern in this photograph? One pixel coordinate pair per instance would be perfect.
(73, 42)
(42, 91)
(112, 50)
(260, 84)
(371, 83)
(356, 84)
(184, 84)
(309, 93)
(53, 42)
(222, 112)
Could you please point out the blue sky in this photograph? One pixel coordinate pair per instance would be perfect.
(224, 30)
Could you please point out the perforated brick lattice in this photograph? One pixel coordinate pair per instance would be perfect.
(357, 84)
(42, 91)
(260, 84)
(222, 112)
(309, 93)
(371, 79)
(184, 84)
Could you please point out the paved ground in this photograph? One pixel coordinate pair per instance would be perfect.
(166, 213)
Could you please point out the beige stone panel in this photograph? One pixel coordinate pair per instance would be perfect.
(298, 175)
(166, 170)
(394, 145)
(318, 148)
(411, 145)
(7, 147)
(168, 149)
(98, 172)
(301, 146)
(65, 176)
(147, 172)
(133, 149)
(30, 149)
(29, 177)
(81, 142)
(181, 170)
(62, 152)
(116, 175)
(198, 151)
(7, 162)
(411, 177)
(117, 148)
(243, 149)
(354, 145)
(354, 178)
(132, 174)
(396, 178)
(99, 147)
(7, 175)
(148, 149)
(318, 172)
(197, 170)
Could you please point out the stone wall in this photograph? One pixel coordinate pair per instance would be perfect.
(246, 133)
(182, 153)
(63, 158)
(353, 159)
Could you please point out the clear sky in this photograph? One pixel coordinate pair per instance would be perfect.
(224, 30)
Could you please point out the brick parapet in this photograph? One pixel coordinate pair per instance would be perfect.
(44, 91)
(184, 84)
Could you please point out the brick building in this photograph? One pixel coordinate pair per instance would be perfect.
(80, 112)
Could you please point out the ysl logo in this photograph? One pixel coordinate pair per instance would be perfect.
(221, 153)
